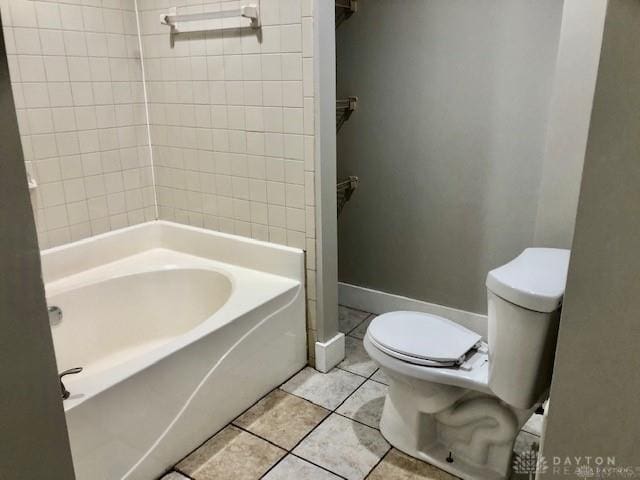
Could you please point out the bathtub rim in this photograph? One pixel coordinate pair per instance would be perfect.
(65, 260)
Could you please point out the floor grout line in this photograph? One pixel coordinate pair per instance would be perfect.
(258, 436)
(175, 469)
(274, 465)
(357, 421)
(348, 333)
(370, 377)
(378, 463)
(319, 466)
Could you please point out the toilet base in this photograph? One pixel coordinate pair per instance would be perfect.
(459, 467)
(435, 422)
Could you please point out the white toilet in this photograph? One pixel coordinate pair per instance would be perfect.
(457, 402)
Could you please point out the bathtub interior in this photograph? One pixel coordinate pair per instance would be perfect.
(109, 321)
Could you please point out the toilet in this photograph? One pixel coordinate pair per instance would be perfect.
(458, 400)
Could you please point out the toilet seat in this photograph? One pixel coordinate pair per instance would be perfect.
(422, 339)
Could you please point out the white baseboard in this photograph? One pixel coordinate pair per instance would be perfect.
(378, 302)
(330, 353)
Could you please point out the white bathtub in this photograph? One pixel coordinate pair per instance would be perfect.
(178, 330)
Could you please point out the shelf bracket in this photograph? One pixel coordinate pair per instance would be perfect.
(344, 9)
(344, 109)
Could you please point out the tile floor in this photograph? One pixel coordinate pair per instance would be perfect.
(318, 427)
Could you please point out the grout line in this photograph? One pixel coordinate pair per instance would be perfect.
(175, 469)
(523, 429)
(350, 395)
(356, 421)
(308, 434)
(348, 334)
(367, 377)
(348, 371)
(310, 401)
(258, 436)
(146, 109)
(319, 466)
(274, 465)
(378, 462)
(307, 365)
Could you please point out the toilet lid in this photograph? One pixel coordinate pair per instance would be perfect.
(421, 337)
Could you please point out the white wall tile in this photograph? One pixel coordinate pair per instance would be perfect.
(291, 38)
(48, 15)
(27, 40)
(57, 95)
(31, 68)
(56, 69)
(290, 11)
(71, 17)
(52, 42)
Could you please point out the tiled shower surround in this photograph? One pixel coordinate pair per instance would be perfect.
(228, 143)
(77, 84)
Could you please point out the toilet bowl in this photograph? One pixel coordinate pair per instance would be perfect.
(457, 401)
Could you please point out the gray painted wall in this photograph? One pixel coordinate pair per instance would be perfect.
(34, 441)
(596, 385)
(448, 141)
(569, 117)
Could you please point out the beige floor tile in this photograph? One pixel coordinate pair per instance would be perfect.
(231, 450)
(398, 466)
(282, 418)
(357, 359)
(361, 330)
(380, 377)
(348, 318)
(294, 468)
(366, 403)
(326, 389)
(343, 446)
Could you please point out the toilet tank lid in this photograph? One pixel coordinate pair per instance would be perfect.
(534, 280)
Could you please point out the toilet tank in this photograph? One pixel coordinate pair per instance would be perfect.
(524, 299)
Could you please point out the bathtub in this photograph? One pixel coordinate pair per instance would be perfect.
(178, 330)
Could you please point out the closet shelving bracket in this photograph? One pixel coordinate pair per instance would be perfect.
(344, 9)
(344, 189)
(349, 5)
(344, 108)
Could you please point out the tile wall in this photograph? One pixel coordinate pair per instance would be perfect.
(77, 82)
(232, 122)
(229, 140)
